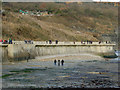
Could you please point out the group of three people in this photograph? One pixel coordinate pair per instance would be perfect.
(62, 62)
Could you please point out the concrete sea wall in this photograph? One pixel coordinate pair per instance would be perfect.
(27, 51)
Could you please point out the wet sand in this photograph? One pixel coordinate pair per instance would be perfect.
(84, 56)
(78, 71)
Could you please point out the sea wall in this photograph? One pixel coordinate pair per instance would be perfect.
(42, 50)
(4, 53)
(21, 51)
(30, 51)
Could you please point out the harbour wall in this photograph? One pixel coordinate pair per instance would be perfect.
(30, 51)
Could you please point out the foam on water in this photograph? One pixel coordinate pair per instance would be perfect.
(118, 54)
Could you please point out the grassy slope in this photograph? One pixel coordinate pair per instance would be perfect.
(74, 23)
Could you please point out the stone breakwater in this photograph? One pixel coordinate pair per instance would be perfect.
(30, 51)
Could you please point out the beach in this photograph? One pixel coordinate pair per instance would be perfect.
(78, 71)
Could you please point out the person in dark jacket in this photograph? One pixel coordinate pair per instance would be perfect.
(55, 61)
(58, 62)
(62, 62)
(25, 41)
(56, 41)
(10, 41)
(50, 42)
(99, 42)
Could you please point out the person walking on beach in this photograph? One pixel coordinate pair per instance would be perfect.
(28, 57)
(62, 62)
(58, 62)
(55, 62)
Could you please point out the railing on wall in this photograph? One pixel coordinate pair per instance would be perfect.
(62, 43)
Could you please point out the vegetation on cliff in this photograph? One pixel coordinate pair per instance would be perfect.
(71, 22)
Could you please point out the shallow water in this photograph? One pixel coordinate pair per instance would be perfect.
(74, 73)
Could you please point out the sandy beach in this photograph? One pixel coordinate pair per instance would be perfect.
(81, 57)
(84, 56)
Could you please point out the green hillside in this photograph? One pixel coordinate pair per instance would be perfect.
(70, 22)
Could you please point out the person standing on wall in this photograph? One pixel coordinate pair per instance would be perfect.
(10, 41)
(0, 41)
(56, 41)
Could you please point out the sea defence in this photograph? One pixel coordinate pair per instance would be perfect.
(21, 51)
